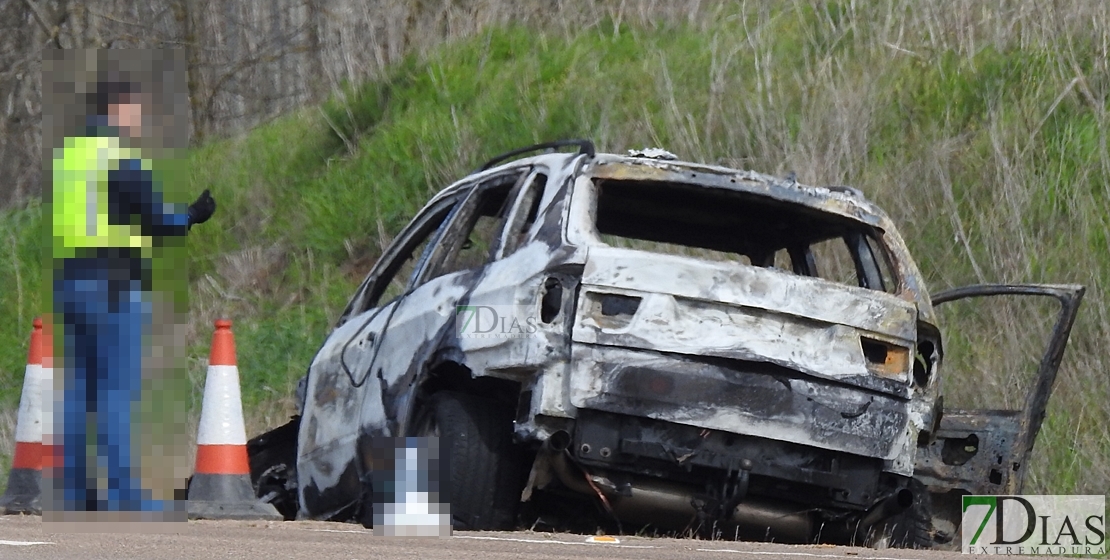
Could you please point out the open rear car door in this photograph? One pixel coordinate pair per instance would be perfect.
(985, 451)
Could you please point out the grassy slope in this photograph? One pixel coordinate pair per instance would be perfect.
(992, 160)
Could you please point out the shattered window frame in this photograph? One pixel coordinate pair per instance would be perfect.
(525, 212)
(875, 272)
(463, 221)
(401, 250)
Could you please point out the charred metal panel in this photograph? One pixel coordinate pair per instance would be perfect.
(688, 454)
(413, 335)
(337, 382)
(513, 288)
(987, 451)
(353, 385)
(1069, 296)
(752, 287)
(538, 358)
(677, 304)
(741, 398)
(329, 386)
(974, 452)
(837, 201)
(998, 442)
(679, 325)
(328, 499)
(834, 201)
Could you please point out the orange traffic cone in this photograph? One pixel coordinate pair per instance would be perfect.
(221, 486)
(25, 479)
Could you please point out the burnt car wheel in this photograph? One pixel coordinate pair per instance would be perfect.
(476, 439)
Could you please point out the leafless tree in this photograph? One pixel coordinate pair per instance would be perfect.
(246, 61)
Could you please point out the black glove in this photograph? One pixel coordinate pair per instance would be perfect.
(202, 208)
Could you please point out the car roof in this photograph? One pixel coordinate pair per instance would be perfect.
(844, 201)
(841, 200)
(551, 161)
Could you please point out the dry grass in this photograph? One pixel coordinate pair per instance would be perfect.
(970, 198)
(984, 202)
(982, 129)
(7, 441)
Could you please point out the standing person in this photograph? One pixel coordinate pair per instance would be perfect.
(107, 216)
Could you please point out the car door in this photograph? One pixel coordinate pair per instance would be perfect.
(338, 379)
(413, 329)
(986, 451)
(500, 317)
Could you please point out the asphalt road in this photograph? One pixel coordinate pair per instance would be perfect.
(28, 537)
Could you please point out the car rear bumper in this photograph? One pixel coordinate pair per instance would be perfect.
(616, 443)
(743, 398)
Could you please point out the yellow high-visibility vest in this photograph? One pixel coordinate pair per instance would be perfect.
(80, 203)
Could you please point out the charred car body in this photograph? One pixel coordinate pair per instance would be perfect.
(683, 345)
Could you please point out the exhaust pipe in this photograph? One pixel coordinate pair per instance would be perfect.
(559, 441)
(892, 505)
(774, 521)
(671, 505)
(555, 449)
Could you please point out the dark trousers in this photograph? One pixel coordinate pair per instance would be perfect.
(103, 319)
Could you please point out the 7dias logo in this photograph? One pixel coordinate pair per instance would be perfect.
(1057, 525)
(494, 321)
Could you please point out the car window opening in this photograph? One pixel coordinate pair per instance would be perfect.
(479, 232)
(398, 274)
(526, 214)
(730, 226)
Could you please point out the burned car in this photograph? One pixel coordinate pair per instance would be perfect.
(670, 344)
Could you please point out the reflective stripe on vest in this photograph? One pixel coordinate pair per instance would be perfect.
(80, 204)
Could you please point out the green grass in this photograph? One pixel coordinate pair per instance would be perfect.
(990, 155)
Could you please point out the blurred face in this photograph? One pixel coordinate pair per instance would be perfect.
(127, 115)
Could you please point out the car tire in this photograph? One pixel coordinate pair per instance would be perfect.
(476, 439)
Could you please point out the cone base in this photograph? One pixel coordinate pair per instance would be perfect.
(227, 496)
(24, 494)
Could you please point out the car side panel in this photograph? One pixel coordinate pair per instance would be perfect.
(337, 383)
